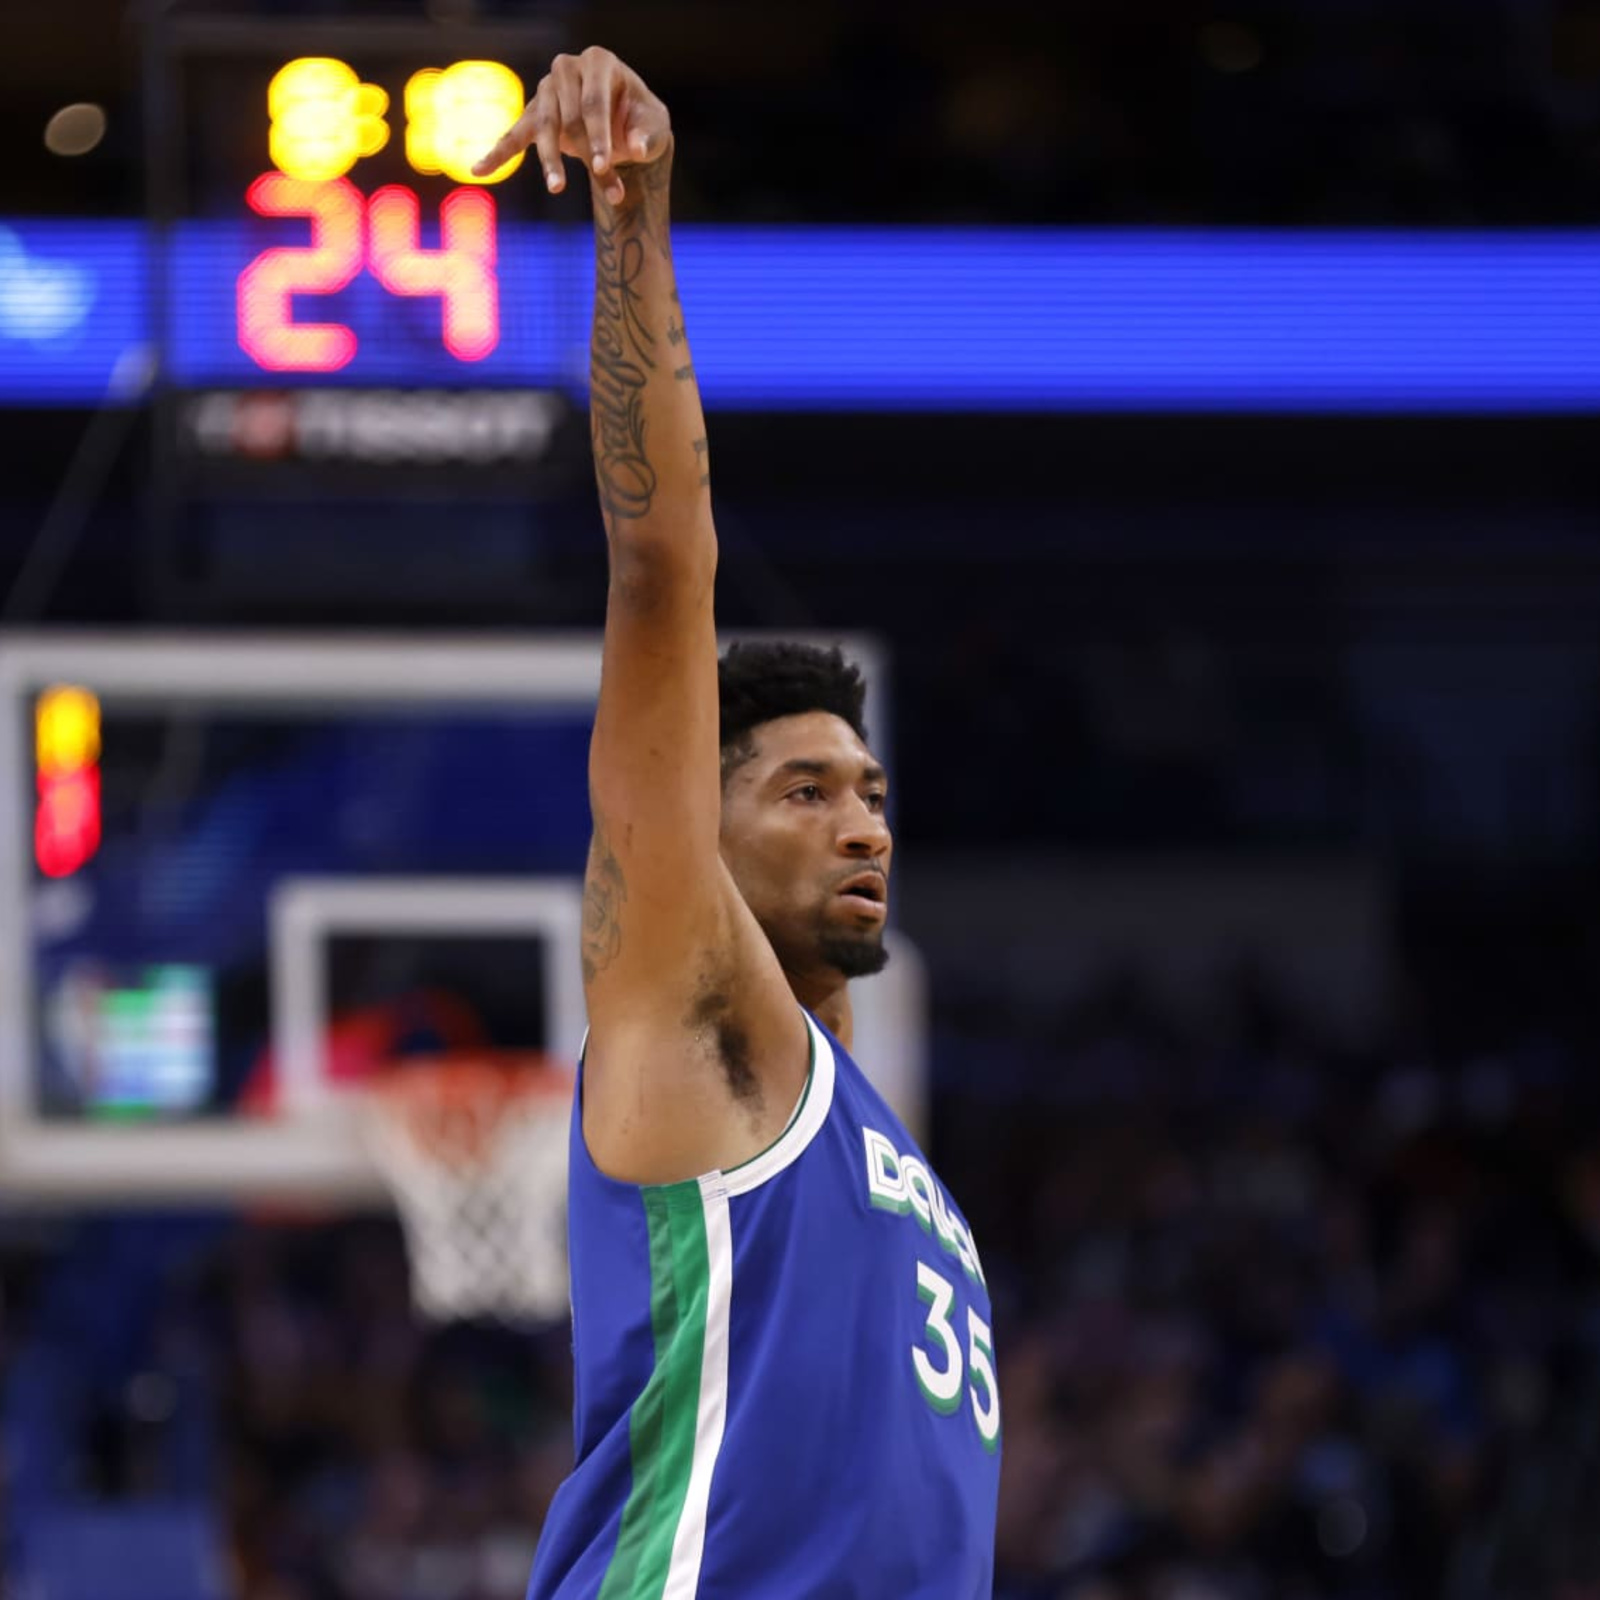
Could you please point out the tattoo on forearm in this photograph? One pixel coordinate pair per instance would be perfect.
(647, 206)
(701, 449)
(620, 362)
(624, 348)
(604, 891)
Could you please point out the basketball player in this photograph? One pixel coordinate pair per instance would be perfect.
(785, 1381)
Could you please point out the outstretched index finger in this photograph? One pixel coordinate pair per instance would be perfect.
(511, 143)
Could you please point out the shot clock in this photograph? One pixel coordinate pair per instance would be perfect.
(324, 120)
(358, 315)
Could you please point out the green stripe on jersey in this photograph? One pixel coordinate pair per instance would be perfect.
(661, 1428)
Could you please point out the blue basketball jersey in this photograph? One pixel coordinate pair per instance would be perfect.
(785, 1376)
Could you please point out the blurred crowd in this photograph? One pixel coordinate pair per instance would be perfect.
(1277, 1320)
(369, 1456)
(1285, 1319)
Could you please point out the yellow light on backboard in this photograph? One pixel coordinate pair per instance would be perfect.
(454, 115)
(324, 118)
(66, 730)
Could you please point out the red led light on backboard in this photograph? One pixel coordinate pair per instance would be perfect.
(66, 821)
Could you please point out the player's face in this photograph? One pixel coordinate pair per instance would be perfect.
(804, 835)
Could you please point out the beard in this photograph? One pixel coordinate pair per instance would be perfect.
(854, 955)
(815, 940)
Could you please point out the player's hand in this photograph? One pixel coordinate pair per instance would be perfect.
(594, 108)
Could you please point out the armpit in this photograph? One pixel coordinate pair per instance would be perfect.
(711, 1020)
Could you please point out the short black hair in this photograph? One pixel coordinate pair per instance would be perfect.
(763, 681)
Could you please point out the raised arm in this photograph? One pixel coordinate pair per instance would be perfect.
(674, 965)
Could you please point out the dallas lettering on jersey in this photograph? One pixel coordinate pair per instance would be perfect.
(904, 1185)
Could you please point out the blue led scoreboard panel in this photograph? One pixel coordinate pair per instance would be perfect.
(901, 319)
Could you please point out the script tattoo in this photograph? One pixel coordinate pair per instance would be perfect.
(604, 890)
(620, 363)
(626, 342)
(646, 203)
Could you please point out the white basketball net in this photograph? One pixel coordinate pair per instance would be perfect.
(480, 1179)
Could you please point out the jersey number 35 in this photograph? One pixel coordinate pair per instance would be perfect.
(941, 1380)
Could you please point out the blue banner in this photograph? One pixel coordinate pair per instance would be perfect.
(74, 310)
(858, 319)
